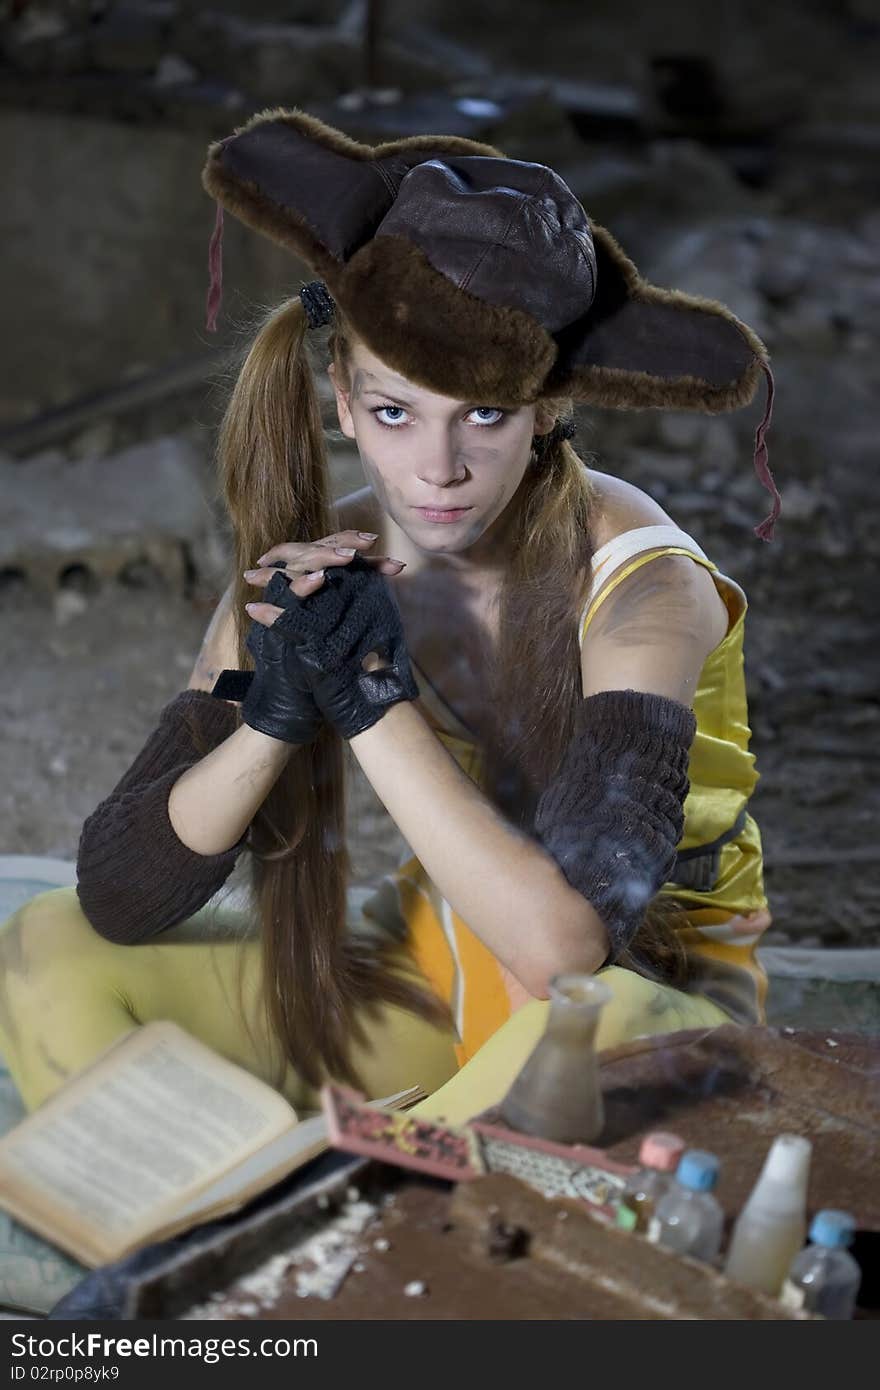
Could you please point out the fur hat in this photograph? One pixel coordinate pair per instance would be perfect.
(481, 277)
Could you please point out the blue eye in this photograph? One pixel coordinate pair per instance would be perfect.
(378, 410)
(399, 414)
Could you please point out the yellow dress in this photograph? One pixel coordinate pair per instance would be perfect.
(716, 890)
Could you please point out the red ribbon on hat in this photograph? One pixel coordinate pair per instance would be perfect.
(762, 467)
(215, 269)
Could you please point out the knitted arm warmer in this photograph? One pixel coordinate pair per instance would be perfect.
(613, 815)
(135, 877)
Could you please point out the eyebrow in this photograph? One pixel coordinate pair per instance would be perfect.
(405, 401)
(374, 391)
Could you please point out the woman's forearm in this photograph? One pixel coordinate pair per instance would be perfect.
(212, 803)
(510, 893)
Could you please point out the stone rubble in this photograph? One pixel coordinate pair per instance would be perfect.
(318, 1263)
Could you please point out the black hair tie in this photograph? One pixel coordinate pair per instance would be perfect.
(563, 429)
(318, 303)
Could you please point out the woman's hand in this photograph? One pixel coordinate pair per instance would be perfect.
(279, 700)
(304, 565)
(333, 630)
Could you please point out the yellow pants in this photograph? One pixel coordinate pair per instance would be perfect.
(66, 994)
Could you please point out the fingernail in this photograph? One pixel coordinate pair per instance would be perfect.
(249, 574)
(315, 574)
(368, 535)
(249, 607)
(262, 560)
(402, 563)
(345, 550)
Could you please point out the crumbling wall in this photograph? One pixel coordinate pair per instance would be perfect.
(104, 270)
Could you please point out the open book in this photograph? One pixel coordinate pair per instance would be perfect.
(159, 1134)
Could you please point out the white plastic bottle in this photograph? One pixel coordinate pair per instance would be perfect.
(825, 1277)
(772, 1226)
(659, 1155)
(688, 1218)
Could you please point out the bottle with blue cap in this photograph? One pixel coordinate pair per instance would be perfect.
(824, 1278)
(689, 1219)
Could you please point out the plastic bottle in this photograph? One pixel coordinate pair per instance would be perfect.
(688, 1218)
(659, 1156)
(825, 1277)
(772, 1226)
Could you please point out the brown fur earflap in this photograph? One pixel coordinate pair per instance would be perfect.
(611, 253)
(281, 224)
(454, 343)
(646, 347)
(261, 214)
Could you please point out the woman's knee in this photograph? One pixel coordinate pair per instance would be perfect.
(47, 942)
(642, 1008)
(57, 1008)
(39, 927)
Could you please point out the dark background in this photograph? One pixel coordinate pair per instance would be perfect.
(731, 147)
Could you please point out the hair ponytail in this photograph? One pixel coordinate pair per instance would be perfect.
(273, 469)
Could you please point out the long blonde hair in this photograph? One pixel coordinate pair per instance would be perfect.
(273, 469)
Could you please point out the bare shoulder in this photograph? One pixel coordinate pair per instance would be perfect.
(619, 506)
(219, 649)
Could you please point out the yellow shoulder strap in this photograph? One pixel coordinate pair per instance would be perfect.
(598, 595)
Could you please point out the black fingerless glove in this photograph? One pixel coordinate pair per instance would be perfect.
(614, 814)
(275, 697)
(333, 629)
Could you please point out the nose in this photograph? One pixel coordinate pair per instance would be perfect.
(442, 464)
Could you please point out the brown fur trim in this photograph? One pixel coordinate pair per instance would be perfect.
(507, 354)
(618, 390)
(605, 243)
(340, 143)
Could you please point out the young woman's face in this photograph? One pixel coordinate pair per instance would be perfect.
(444, 470)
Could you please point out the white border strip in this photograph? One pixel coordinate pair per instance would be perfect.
(801, 962)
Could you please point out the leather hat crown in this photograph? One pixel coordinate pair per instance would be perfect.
(481, 277)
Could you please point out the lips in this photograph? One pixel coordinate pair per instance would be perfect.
(442, 513)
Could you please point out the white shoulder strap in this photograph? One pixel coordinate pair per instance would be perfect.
(619, 549)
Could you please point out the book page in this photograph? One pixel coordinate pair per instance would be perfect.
(258, 1171)
(120, 1148)
(275, 1161)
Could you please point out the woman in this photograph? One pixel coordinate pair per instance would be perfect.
(544, 685)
